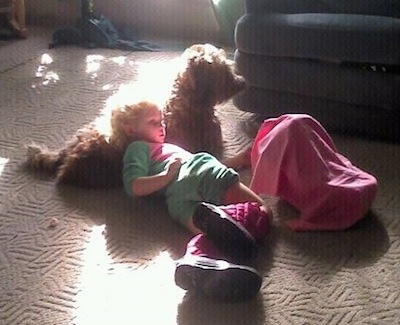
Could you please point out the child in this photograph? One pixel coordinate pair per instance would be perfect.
(195, 186)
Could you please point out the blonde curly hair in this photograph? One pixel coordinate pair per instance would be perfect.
(127, 114)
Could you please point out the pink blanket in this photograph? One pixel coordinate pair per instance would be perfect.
(294, 158)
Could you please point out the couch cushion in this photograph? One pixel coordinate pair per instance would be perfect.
(332, 37)
(314, 78)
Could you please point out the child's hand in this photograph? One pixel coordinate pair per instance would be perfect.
(173, 168)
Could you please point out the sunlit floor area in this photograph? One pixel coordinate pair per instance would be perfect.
(109, 291)
(92, 257)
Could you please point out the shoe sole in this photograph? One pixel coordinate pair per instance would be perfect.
(229, 236)
(217, 279)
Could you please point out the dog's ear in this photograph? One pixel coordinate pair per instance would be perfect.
(196, 81)
(190, 73)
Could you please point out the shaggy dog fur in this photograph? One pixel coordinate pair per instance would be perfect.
(209, 79)
(93, 159)
(89, 160)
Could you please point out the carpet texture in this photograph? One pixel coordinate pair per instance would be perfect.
(74, 256)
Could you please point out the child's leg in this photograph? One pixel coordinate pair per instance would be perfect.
(237, 225)
(236, 193)
(236, 229)
(239, 193)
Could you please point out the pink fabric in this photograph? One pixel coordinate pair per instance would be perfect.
(200, 245)
(250, 216)
(294, 158)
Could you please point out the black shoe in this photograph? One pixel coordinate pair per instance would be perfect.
(217, 279)
(231, 238)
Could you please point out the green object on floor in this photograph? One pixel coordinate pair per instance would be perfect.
(227, 13)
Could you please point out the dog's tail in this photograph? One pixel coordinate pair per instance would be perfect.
(40, 158)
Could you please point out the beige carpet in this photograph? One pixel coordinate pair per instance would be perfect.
(73, 256)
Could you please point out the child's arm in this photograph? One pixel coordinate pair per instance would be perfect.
(147, 185)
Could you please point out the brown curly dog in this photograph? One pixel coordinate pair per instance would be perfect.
(93, 158)
(208, 79)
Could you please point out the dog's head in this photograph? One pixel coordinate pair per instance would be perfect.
(211, 77)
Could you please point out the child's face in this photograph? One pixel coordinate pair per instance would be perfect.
(151, 126)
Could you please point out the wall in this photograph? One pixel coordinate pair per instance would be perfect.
(192, 19)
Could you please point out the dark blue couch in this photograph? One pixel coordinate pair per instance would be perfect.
(338, 60)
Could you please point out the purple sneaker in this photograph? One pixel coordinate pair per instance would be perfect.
(235, 229)
(203, 271)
